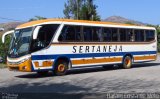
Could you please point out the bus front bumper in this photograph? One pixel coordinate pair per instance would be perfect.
(24, 66)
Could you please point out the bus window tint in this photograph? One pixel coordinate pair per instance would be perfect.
(139, 35)
(96, 34)
(114, 35)
(87, 31)
(123, 35)
(70, 33)
(150, 35)
(130, 35)
(91, 34)
(107, 34)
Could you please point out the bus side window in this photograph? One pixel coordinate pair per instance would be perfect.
(130, 35)
(87, 31)
(107, 35)
(150, 35)
(96, 31)
(70, 34)
(78, 33)
(62, 36)
(123, 35)
(139, 35)
(114, 35)
(100, 34)
(92, 34)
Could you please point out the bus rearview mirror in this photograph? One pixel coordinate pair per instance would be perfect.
(4, 35)
(36, 31)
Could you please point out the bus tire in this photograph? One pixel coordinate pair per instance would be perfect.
(127, 62)
(61, 68)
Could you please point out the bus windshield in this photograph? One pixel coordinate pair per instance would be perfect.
(20, 42)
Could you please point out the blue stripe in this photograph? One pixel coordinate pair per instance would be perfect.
(85, 55)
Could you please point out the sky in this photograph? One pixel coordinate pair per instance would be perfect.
(147, 11)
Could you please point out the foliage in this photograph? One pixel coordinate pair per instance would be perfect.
(131, 23)
(2, 65)
(158, 28)
(81, 10)
(37, 18)
(158, 37)
(4, 47)
(150, 25)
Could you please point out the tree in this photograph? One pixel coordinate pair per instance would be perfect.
(158, 36)
(4, 47)
(81, 10)
(158, 28)
(37, 18)
(130, 23)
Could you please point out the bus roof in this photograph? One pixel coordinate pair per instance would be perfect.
(45, 21)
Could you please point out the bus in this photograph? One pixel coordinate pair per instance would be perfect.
(60, 45)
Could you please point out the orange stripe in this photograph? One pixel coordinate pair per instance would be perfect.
(144, 57)
(69, 20)
(104, 60)
(91, 61)
(28, 24)
(36, 64)
(45, 64)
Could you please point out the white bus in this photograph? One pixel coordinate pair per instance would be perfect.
(60, 45)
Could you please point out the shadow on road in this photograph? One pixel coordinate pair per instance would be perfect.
(110, 68)
(140, 65)
(89, 70)
(43, 91)
(35, 75)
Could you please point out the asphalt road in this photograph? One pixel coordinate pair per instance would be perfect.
(141, 78)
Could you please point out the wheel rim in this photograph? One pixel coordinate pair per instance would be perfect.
(61, 68)
(128, 62)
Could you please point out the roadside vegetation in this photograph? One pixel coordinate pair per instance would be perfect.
(158, 37)
(2, 65)
(4, 47)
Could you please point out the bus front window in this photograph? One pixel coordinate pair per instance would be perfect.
(20, 43)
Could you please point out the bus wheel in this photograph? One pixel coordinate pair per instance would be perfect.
(61, 68)
(127, 62)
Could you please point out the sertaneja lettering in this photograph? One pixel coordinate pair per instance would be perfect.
(99, 49)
